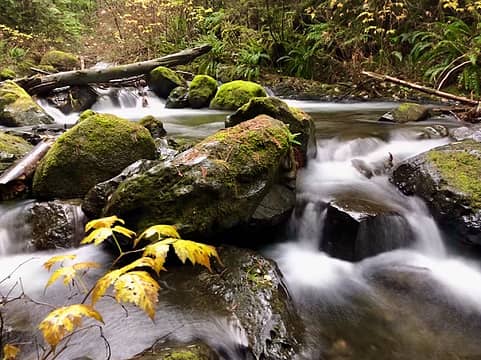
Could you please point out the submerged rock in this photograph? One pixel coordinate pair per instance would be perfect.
(60, 60)
(163, 80)
(96, 149)
(201, 91)
(407, 112)
(355, 229)
(448, 178)
(12, 148)
(214, 186)
(178, 98)
(17, 108)
(234, 94)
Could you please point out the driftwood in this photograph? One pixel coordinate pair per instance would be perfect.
(42, 84)
(427, 90)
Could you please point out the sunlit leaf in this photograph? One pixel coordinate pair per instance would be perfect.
(10, 352)
(139, 288)
(64, 320)
(162, 231)
(97, 236)
(105, 222)
(124, 231)
(158, 251)
(56, 259)
(86, 265)
(196, 252)
(69, 272)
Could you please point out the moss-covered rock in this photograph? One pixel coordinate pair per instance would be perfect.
(12, 148)
(407, 112)
(178, 98)
(163, 80)
(299, 122)
(95, 150)
(448, 178)
(234, 94)
(17, 108)
(201, 91)
(7, 74)
(155, 126)
(212, 187)
(196, 351)
(60, 60)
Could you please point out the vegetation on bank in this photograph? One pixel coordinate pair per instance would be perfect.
(437, 42)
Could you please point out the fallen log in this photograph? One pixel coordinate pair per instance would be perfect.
(421, 88)
(42, 84)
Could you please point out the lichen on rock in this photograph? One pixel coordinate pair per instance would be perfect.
(12, 148)
(234, 94)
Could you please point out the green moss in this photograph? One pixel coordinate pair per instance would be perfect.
(407, 112)
(201, 90)
(14, 145)
(155, 126)
(7, 74)
(234, 94)
(182, 355)
(94, 150)
(60, 60)
(461, 170)
(86, 114)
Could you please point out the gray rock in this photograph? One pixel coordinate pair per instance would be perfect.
(464, 133)
(407, 112)
(178, 98)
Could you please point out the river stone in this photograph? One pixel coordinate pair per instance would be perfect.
(355, 229)
(195, 351)
(214, 186)
(96, 149)
(407, 112)
(299, 122)
(60, 60)
(201, 91)
(178, 98)
(472, 132)
(56, 224)
(154, 125)
(12, 148)
(163, 80)
(234, 94)
(17, 108)
(448, 178)
(74, 99)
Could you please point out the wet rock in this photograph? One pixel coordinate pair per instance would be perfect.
(7, 74)
(464, 133)
(168, 351)
(96, 149)
(12, 148)
(73, 99)
(17, 108)
(56, 224)
(355, 229)
(214, 186)
(234, 94)
(434, 132)
(201, 91)
(163, 80)
(60, 60)
(178, 98)
(377, 168)
(448, 178)
(299, 122)
(155, 126)
(407, 112)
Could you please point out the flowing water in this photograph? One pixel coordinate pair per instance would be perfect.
(419, 302)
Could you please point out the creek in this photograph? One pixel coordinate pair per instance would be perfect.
(419, 302)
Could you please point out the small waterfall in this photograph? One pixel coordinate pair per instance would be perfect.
(15, 231)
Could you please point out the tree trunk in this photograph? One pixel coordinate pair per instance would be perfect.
(41, 84)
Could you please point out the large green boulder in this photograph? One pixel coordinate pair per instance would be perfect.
(299, 122)
(60, 60)
(234, 94)
(212, 187)
(201, 91)
(163, 80)
(12, 148)
(96, 149)
(17, 107)
(448, 178)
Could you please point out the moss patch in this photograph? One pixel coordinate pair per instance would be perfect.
(234, 94)
(201, 90)
(407, 112)
(60, 60)
(163, 80)
(7, 74)
(461, 170)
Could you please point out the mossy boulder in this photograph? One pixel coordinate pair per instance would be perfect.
(201, 91)
(178, 98)
(448, 178)
(163, 80)
(17, 107)
(299, 122)
(154, 125)
(407, 112)
(60, 60)
(7, 74)
(196, 351)
(212, 187)
(234, 94)
(96, 149)
(12, 148)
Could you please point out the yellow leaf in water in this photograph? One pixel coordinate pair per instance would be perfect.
(196, 252)
(62, 321)
(105, 222)
(97, 236)
(139, 288)
(162, 231)
(56, 259)
(10, 352)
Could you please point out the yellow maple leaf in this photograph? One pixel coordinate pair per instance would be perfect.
(158, 251)
(105, 222)
(10, 352)
(70, 272)
(196, 252)
(99, 235)
(56, 259)
(139, 288)
(162, 231)
(62, 321)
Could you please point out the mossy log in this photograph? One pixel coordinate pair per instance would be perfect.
(42, 84)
